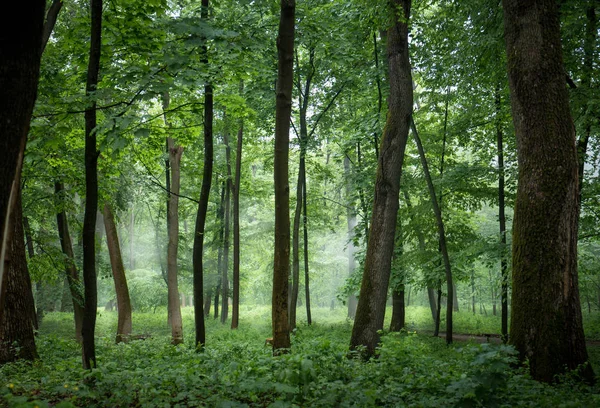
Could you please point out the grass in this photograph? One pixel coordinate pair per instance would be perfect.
(237, 370)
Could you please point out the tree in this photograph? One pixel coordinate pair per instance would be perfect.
(370, 311)
(91, 192)
(20, 53)
(546, 326)
(203, 206)
(281, 267)
(118, 271)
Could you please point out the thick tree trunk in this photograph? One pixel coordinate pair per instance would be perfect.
(441, 233)
(17, 322)
(20, 47)
(546, 326)
(124, 321)
(398, 310)
(91, 194)
(174, 307)
(370, 312)
(283, 109)
(71, 274)
(198, 251)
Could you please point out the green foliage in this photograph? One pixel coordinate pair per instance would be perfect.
(236, 369)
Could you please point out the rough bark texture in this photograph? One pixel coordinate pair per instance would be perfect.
(174, 308)
(283, 109)
(20, 52)
(546, 326)
(124, 321)
(71, 273)
(91, 193)
(374, 287)
(398, 310)
(17, 322)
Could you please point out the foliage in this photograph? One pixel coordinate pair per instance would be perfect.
(236, 370)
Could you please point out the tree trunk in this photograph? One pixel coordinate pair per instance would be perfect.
(207, 302)
(546, 324)
(502, 220)
(38, 311)
(71, 274)
(131, 238)
(438, 313)
(228, 188)
(124, 321)
(370, 312)
(91, 194)
(174, 308)
(235, 309)
(455, 300)
(198, 251)
(20, 47)
(398, 310)
(351, 218)
(305, 229)
(217, 292)
(283, 108)
(295, 288)
(17, 322)
(442, 235)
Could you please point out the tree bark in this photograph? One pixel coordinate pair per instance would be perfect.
(71, 274)
(124, 321)
(398, 310)
(20, 47)
(38, 310)
(283, 109)
(174, 307)
(16, 325)
(91, 193)
(546, 324)
(351, 220)
(305, 230)
(370, 312)
(442, 235)
(296, 251)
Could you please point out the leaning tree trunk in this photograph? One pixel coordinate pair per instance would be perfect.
(114, 250)
(174, 307)
(546, 325)
(283, 110)
(442, 236)
(71, 274)
(17, 322)
(198, 250)
(20, 47)
(91, 194)
(296, 253)
(370, 312)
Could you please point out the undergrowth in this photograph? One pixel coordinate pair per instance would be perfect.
(236, 369)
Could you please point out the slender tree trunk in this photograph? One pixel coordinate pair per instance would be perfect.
(398, 310)
(295, 288)
(473, 289)
(281, 259)
(235, 310)
(455, 300)
(351, 219)
(305, 229)
(442, 235)
(91, 194)
(217, 292)
(370, 312)
(16, 324)
(31, 253)
(207, 302)
(502, 220)
(225, 277)
(361, 194)
(124, 321)
(438, 312)
(71, 274)
(546, 324)
(20, 47)
(131, 238)
(198, 251)
(174, 307)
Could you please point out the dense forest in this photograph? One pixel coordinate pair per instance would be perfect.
(314, 203)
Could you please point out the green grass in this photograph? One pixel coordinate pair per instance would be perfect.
(237, 370)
